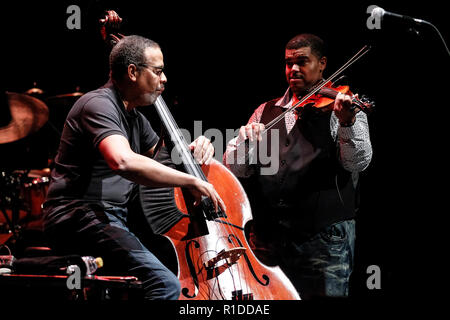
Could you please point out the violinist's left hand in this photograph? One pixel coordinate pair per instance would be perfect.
(203, 150)
(343, 109)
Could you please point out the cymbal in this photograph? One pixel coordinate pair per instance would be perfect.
(64, 101)
(28, 115)
(34, 91)
(39, 173)
(64, 97)
(67, 95)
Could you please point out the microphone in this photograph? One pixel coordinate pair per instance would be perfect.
(378, 13)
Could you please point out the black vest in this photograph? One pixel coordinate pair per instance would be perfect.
(311, 190)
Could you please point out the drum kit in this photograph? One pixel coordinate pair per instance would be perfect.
(28, 143)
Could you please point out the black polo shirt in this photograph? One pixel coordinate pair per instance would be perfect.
(81, 174)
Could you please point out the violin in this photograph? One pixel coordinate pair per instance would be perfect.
(325, 97)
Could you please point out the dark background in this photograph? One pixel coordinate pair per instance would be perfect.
(223, 59)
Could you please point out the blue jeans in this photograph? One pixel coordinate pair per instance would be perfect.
(103, 233)
(321, 266)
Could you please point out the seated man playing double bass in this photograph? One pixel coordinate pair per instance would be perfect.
(105, 152)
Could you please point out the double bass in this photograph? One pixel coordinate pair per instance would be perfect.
(214, 259)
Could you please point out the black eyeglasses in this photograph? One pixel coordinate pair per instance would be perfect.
(159, 70)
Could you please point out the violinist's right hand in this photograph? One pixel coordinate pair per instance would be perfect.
(252, 131)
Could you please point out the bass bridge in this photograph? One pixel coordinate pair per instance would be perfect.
(229, 257)
(225, 259)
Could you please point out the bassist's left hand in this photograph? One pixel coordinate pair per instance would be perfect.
(110, 25)
(203, 150)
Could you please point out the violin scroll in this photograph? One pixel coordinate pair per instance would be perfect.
(368, 103)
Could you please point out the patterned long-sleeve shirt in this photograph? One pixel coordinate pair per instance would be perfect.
(355, 148)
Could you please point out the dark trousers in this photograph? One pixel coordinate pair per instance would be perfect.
(319, 267)
(103, 233)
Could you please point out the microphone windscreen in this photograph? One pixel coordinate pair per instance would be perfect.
(377, 12)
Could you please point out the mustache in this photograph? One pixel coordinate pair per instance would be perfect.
(296, 75)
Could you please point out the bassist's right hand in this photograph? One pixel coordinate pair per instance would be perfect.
(201, 188)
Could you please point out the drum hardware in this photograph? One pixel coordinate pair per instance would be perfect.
(10, 198)
(23, 193)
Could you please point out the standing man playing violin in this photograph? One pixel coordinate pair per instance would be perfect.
(105, 151)
(304, 213)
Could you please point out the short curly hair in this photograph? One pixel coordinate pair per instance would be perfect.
(317, 45)
(129, 50)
